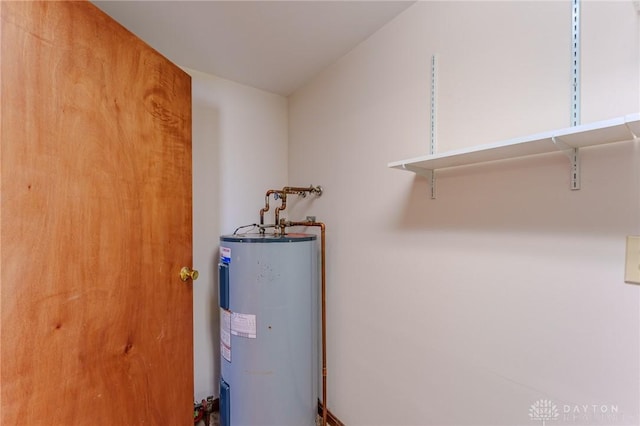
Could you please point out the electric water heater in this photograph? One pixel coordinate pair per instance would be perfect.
(268, 295)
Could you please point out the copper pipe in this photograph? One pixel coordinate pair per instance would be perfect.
(283, 195)
(317, 190)
(323, 310)
(266, 203)
(283, 205)
(296, 189)
(266, 206)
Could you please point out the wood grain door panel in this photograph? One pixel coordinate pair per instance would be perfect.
(95, 178)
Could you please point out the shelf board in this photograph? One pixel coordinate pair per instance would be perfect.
(599, 133)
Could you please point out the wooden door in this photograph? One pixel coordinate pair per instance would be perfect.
(95, 178)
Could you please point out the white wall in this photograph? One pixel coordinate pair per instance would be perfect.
(508, 288)
(239, 151)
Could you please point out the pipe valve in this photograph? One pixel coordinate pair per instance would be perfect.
(317, 190)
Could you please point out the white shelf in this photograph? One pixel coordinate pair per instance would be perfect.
(572, 138)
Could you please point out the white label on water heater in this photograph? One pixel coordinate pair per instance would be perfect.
(225, 327)
(225, 351)
(243, 325)
(225, 334)
(225, 254)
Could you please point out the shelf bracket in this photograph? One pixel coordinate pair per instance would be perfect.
(573, 153)
(426, 173)
(575, 63)
(574, 162)
(633, 135)
(432, 133)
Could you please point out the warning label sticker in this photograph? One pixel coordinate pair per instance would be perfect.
(243, 325)
(225, 254)
(225, 334)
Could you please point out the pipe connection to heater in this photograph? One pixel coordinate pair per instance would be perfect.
(281, 194)
(323, 304)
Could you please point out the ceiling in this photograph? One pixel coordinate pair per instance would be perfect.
(276, 46)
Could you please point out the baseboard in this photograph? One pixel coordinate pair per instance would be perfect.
(332, 420)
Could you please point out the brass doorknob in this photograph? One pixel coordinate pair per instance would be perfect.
(186, 273)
